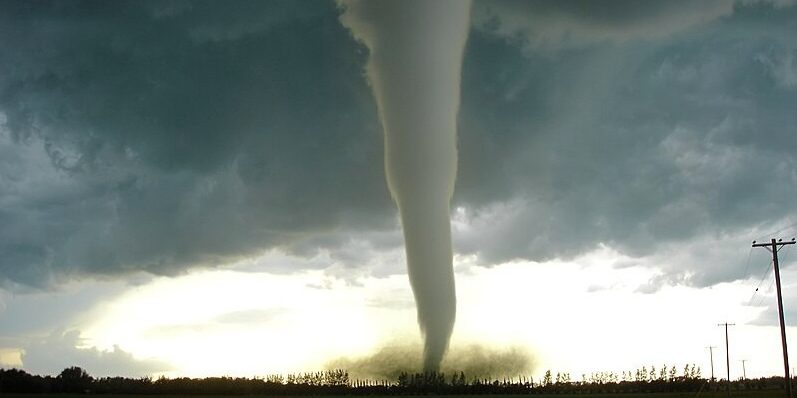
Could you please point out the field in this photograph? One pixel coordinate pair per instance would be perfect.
(717, 394)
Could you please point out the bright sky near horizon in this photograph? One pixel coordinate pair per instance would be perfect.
(197, 188)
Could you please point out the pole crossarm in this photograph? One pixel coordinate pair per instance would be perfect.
(781, 243)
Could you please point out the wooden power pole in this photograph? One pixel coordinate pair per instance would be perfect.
(727, 356)
(711, 355)
(744, 370)
(773, 246)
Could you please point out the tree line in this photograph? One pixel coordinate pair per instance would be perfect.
(75, 380)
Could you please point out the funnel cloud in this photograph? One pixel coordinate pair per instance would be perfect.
(414, 67)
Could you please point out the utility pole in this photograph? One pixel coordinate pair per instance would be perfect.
(711, 355)
(744, 370)
(727, 356)
(774, 247)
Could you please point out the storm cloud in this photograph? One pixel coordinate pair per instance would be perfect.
(137, 139)
(160, 136)
(651, 147)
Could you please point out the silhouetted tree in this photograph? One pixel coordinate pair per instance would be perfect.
(74, 380)
(19, 381)
(694, 372)
(547, 380)
(337, 383)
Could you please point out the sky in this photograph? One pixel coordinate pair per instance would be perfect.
(198, 188)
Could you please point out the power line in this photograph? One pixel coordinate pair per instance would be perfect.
(790, 226)
(767, 271)
(764, 277)
(747, 264)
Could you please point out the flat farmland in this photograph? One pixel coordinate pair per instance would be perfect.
(710, 394)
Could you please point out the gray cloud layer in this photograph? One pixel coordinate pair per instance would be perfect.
(150, 148)
(576, 23)
(641, 145)
(163, 135)
(59, 351)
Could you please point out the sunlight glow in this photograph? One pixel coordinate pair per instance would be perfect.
(579, 316)
(10, 358)
(224, 322)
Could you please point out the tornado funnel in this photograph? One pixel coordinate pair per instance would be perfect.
(414, 67)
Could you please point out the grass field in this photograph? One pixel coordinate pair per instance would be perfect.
(710, 394)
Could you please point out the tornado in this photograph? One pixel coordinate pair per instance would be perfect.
(414, 66)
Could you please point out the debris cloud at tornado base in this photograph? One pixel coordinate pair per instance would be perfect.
(414, 66)
(476, 361)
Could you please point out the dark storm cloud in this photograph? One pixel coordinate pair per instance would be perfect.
(172, 134)
(646, 147)
(163, 135)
